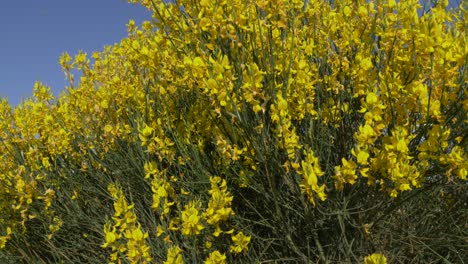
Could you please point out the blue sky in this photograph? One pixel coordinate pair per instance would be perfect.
(35, 32)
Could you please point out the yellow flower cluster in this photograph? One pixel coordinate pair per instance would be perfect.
(219, 206)
(191, 220)
(125, 236)
(226, 80)
(310, 171)
(216, 257)
(174, 256)
(375, 258)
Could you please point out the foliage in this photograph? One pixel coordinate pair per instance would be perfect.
(248, 131)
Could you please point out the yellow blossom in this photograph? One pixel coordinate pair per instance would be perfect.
(240, 241)
(174, 256)
(216, 257)
(191, 220)
(375, 258)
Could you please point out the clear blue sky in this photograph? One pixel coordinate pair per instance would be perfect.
(33, 34)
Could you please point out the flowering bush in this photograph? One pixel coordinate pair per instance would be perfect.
(246, 131)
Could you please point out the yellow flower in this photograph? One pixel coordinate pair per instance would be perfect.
(4, 239)
(174, 256)
(240, 242)
(361, 155)
(375, 258)
(110, 235)
(362, 11)
(216, 257)
(159, 231)
(191, 220)
(151, 168)
(145, 134)
(347, 11)
(391, 3)
(219, 205)
(310, 171)
(345, 173)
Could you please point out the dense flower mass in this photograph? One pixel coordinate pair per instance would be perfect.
(202, 127)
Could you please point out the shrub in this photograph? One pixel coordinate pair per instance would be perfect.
(248, 131)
